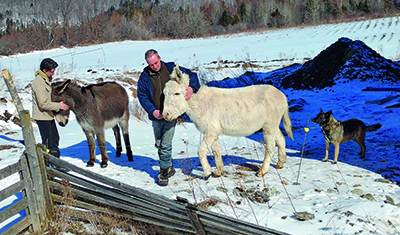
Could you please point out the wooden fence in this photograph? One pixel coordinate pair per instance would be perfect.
(28, 201)
(43, 190)
(96, 193)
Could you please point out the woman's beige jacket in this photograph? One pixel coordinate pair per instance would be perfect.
(42, 106)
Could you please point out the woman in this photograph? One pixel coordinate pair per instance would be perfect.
(43, 107)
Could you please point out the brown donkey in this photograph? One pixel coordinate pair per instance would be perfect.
(96, 107)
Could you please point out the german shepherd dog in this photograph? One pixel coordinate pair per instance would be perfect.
(337, 132)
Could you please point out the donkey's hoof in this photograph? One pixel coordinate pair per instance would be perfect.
(130, 159)
(334, 162)
(324, 160)
(207, 176)
(260, 174)
(362, 157)
(278, 167)
(90, 164)
(216, 175)
(103, 164)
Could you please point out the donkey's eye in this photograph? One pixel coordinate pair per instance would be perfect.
(177, 93)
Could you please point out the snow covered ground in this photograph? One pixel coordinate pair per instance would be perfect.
(339, 196)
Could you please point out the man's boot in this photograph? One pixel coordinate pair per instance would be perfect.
(162, 177)
(171, 170)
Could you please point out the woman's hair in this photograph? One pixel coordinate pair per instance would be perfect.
(48, 64)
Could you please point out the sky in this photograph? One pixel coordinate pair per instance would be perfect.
(333, 193)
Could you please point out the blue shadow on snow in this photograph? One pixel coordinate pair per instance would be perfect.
(20, 215)
(146, 164)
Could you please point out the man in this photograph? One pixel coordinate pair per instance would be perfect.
(43, 107)
(150, 92)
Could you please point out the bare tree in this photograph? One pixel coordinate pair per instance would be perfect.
(65, 10)
(195, 22)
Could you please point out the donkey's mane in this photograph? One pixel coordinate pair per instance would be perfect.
(83, 89)
(90, 87)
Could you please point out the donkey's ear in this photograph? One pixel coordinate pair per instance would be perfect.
(61, 88)
(178, 74)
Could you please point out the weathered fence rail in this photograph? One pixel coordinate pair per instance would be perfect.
(96, 193)
(42, 188)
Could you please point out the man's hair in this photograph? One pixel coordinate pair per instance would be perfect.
(150, 53)
(48, 64)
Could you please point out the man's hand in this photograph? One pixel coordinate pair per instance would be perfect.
(63, 106)
(157, 114)
(189, 93)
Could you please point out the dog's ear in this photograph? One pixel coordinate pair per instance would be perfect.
(320, 110)
(329, 113)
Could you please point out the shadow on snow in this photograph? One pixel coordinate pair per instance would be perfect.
(142, 163)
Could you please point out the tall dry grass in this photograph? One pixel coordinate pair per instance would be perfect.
(67, 217)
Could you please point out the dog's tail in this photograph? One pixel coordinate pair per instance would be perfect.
(287, 124)
(373, 127)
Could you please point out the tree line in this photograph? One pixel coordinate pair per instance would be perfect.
(39, 24)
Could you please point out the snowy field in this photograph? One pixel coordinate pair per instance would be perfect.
(351, 197)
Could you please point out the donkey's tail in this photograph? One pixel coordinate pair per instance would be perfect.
(287, 124)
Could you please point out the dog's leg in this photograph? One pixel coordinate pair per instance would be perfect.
(360, 139)
(327, 146)
(363, 149)
(337, 147)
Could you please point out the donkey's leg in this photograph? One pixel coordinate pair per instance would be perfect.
(92, 148)
(128, 147)
(269, 139)
(216, 150)
(280, 141)
(117, 136)
(208, 139)
(124, 124)
(101, 142)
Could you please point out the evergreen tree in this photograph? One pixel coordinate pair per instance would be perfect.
(225, 19)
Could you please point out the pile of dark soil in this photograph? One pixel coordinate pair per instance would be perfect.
(344, 59)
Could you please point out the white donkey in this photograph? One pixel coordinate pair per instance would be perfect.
(235, 112)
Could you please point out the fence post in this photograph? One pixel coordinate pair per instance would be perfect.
(29, 193)
(31, 156)
(40, 148)
(194, 218)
